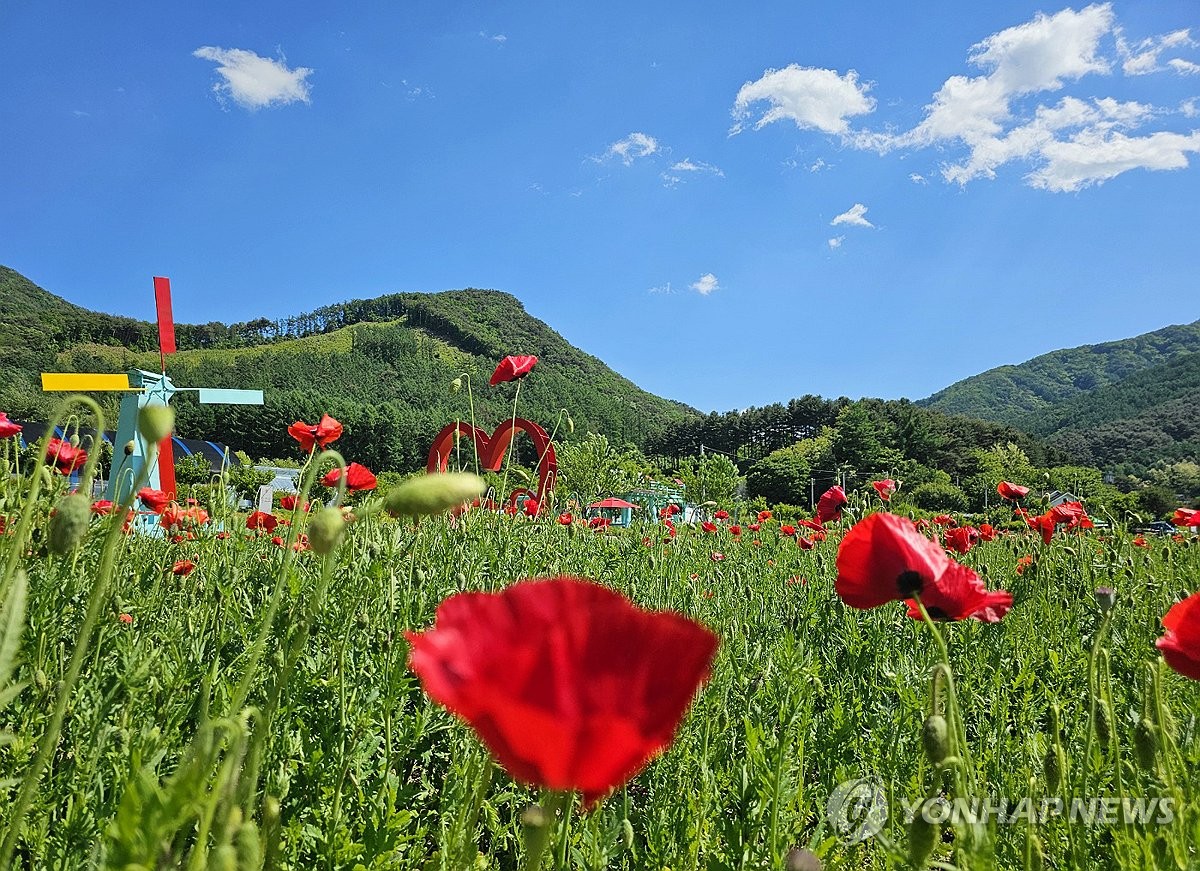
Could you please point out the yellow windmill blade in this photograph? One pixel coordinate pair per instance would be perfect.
(83, 383)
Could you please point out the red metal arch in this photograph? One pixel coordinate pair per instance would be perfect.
(492, 449)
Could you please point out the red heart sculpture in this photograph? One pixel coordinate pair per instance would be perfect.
(493, 448)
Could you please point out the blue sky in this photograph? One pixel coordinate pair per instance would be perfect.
(731, 204)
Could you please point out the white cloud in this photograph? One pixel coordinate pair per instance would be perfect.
(1092, 157)
(632, 147)
(1183, 67)
(1189, 108)
(836, 242)
(854, 216)
(255, 82)
(1141, 58)
(818, 165)
(810, 97)
(917, 178)
(689, 165)
(705, 284)
(663, 289)
(498, 37)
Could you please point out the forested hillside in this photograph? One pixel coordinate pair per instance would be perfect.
(1014, 394)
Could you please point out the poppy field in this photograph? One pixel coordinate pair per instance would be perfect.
(407, 679)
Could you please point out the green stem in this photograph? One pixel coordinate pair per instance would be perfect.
(537, 837)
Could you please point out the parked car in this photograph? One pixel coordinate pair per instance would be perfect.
(1158, 527)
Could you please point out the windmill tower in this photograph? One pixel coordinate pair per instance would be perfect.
(144, 388)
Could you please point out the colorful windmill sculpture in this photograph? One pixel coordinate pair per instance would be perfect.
(145, 388)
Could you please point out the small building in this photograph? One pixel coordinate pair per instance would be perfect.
(1058, 497)
(618, 512)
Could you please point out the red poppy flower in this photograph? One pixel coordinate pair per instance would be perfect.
(531, 507)
(183, 567)
(1180, 645)
(1140, 541)
(787, 529)
(125, 619)
(102, 507)
(1068, 512)
(569, 685)
(566, 518)
(262, 520)
(154, 500)
(357, 477)
(311, 437)
(602, 523)
(288, 503)
(8, 429)
(512, 368)
(670, 529)
(721, 515)
(944, 520)
(1184, 517)
(754, 527)
(806, 543)
(884, 558)
(716, 557)
(1043, 523)
(884, 488)
(987, 532)
(961, 539)
(764, 515)
(735, 530)
(708, 527)
(812, 524)
(1023, 563)
(65, 457)
(1014, 492)
(829, 506)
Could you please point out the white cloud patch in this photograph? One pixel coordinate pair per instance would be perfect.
(498, 38)
(255, 82)
(705, 284)
(1141, 58)
(855, 216)
(1091, 157)
(917, 178)
(810, 97)
(836, 242)
(1189, 108)
(696, 166)
(1183, 67)
(632, 147)
(662, 289)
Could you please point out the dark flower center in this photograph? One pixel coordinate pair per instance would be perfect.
(908, 583)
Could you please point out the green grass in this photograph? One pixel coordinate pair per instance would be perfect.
(368, 773)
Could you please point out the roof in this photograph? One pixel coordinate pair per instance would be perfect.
(612, 502)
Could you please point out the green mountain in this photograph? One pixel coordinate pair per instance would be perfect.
(385, 367)
(1012, 394)
(1123, 406)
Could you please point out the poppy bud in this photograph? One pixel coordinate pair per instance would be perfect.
(326, 529)
(570, 424)
(248, 846)
(1037, 854)
(69, 523)
(627, 833)
(433, 494)
(1106, 597)
(130, 447)
(935, 737)
(155, 422)
(1053, 768)
(270, 825)
(921, 835)
(456, 384)
(801, 860)
(39, 678)
(223, 858)
(1103, 723)
(73, 441)
(1145, 743)
(460, 578)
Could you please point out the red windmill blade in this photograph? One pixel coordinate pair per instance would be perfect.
(166, 345)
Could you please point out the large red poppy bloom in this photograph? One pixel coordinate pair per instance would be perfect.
(829, 506)
(1008, 490)
(1184, 517)
(154, 500)
(569, 685)
(1180, 645)
(7, 427)
(262, 520)
(961, 539)
(884, 488)
(65, 456)
(322, 435)
(357, 477)
(884, 558)
(512, 368)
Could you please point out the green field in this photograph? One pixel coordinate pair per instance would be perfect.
(260, 711)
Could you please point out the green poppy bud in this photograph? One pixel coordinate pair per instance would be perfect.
(1053, 768)
(1145, 743)
(73, 441)
(69, 523)
(248, 847)
(270, 827)
(325, 530)
(1106, 597)
(433, 494)
(1037, 854)
(921, 836)
(627, 833)
(223, 858)
(801, 860)
(456, 384)
(570, 424)
(936, 738)
(155, 422)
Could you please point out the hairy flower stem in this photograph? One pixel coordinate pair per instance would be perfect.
(538, 837)
(965, 782)
(508, 453)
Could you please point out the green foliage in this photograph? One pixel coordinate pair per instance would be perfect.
(712, 478)
(245, 479)
(939, 497)
(781, 476)
(192, 470)
(1156, 501)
